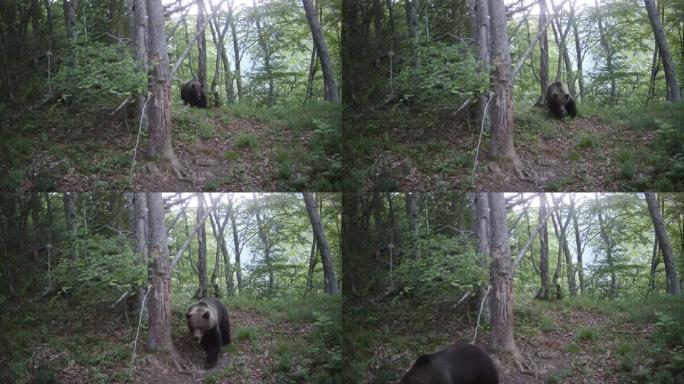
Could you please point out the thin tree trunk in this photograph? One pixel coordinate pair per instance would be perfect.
(578, 52)
(655, 260)
(322, 49)
(313, 260)
(482, 36)
(606, 49)
(313, 65)
(70, 19)
(609, 248)
(578, 244)
(543, 292)
(267, 55)
(673, 284)
(673, 92)
(544, 52)
(413, 222)
(140, 37)
(236, 49)
(483, 244)
(322, 241)
(236, 244)
(201, 44)
(266, 242)
(202, 290)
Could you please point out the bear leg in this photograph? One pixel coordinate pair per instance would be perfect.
(212, 345)
(571, 108)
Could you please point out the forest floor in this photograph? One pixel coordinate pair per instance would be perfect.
(625, 148)
(272, 341)
(571, 341)
(236, 147)
(250, 358)
(581, 154)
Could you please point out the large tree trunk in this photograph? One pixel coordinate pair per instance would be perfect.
(140, 227)
(673, 93)
(578, 51)
(263, 45)
(70, 19)
(543, 292)
(322, 241)
(673, 284)
(322, 49)
(501, 278)
(159, 307)
(502, 110)
(159, 108)
(201, 250)
(139, 36)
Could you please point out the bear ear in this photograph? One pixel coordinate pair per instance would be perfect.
(206, 315)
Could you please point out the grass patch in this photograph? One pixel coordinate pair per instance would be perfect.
(247, 140)
(587, 141)
(588, 334)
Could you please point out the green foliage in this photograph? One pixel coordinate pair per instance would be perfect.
(102, 269)
(587, 141)
(588, 334)
(246, 333)
(449, 267)
(447, 75)
(247, 140)
(669, 329)
(103, 71)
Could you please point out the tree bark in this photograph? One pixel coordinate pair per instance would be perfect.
(322, 241)
(159, 112)
(413, 222)
(673, 93)
(70, 19)
(673, 284)
(502, 110)
(578, 52)
(543, 292)
(159, 304)
(483, 244)
(236, 244)
(141, 224)
(201, 44)
(544, 52)
(322, 49)
(578, 245)
(202, 290)
(236, 49)
(501, 299)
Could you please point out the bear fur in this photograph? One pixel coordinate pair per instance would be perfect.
(457, 364)
(208, 322)
(560, 101)
(192, 93)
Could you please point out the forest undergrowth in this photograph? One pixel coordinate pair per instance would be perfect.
(297, 339)
(236, 147)
(580, 340)
(604, 148)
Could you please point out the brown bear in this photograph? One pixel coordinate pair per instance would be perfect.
(209, 325)
(192, 92)
(560, 101)
(458, 364)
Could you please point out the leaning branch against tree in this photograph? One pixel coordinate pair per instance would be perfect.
(529, 49)
(185, 53)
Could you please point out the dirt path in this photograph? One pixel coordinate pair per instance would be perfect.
(565, 354)
(249, 359)
(237, 154)
(583, 154)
